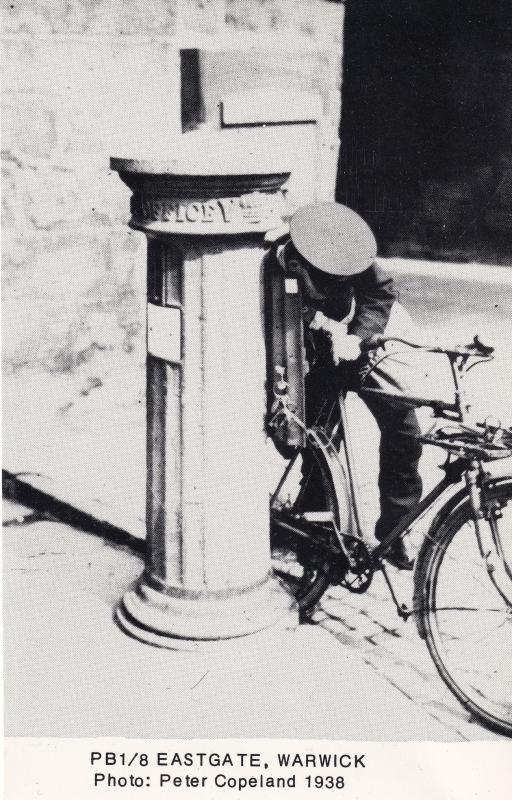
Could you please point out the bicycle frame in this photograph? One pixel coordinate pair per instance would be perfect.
(471, 470)
(454, 470)
(464, 467)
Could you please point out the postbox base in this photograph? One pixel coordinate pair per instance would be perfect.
(178, 619)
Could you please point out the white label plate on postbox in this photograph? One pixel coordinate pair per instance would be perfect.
(164, 332)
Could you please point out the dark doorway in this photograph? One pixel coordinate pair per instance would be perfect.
(426, 127)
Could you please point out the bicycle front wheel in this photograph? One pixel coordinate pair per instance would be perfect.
(465, 620)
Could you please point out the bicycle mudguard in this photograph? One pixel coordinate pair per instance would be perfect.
(322, 444)
(455, 500)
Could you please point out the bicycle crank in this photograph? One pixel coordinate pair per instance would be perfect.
(357, 571)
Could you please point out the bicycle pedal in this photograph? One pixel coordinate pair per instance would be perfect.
(306, 616)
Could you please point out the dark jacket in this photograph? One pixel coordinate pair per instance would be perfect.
(372, 291)
(370, 294)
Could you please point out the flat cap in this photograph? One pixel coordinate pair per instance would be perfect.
(333, 238)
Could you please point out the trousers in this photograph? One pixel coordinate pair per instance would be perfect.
(400, 484)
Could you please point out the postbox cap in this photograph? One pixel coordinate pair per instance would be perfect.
(333, 238)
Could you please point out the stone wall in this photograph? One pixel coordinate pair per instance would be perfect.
(87, 79)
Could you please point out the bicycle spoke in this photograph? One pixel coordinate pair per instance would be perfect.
(478, 576)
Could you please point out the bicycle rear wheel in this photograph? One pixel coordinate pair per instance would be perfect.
(308, 499)
(465, 620)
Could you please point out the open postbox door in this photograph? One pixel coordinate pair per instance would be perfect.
(286, 356)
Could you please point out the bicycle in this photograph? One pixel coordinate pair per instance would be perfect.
(463, 572)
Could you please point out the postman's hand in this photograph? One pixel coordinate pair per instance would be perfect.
(345, 347)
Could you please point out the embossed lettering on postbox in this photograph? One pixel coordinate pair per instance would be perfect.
(254, 208)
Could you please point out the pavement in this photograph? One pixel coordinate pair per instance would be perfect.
(359, 672)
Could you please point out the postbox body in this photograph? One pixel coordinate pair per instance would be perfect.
(206, 494)
(208, 571)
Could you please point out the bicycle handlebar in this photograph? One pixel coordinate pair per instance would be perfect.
(475, 348)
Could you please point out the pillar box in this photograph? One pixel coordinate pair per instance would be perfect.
(205, 214)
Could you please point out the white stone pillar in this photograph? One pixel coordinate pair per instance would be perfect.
(207, 572)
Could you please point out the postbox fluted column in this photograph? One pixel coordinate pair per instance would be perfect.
(207, 572)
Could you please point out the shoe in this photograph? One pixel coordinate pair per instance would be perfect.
(398, 557)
